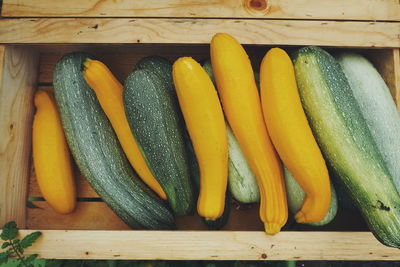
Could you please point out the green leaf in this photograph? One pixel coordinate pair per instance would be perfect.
(31, 258)
(19, 248)
(10, 231)
(15, 241)
(5, 244)
(28, 240)
(4, 257)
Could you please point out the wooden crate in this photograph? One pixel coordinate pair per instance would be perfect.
(35, 34)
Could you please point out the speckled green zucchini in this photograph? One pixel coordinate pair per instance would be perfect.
(163, 68)
(97, 152)
(346, 142)
(154, 120)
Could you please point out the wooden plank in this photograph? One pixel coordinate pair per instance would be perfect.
(207, 245)
(17, 84)
(200, 31)
(278, 9)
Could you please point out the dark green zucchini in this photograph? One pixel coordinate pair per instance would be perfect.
(98, 153)
(153, 116)
(346, 142)
(163, 68)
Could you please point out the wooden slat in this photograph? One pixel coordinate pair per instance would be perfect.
(272, 32)
(280, 9)
(17, 83)
(205, 245)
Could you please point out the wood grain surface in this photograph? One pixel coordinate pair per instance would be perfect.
(200, 31)
(206, 245)
(278, 9)
(17, 83)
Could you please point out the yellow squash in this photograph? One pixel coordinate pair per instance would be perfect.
(241, 102)
(292, 136)
(205, 122)
(51, 157)
(109, 92)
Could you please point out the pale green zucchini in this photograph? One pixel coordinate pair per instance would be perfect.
(295, 196)
(346, 141)
(378, 108)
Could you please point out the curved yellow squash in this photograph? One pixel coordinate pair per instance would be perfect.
(205, 122)
(292, 136)
(241, 102)
(51, 157)
(109, 92)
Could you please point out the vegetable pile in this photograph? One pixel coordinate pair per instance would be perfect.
(174, 135)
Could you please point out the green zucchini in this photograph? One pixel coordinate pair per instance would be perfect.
(346, 142)
(163, 68)
(377, 107)
(295, 196)
(241, 180)
(154, 120)
(97, 152)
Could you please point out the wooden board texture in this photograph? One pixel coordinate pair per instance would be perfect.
(206, 245)
(17, 83)
(388, 10)
(200, 31)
